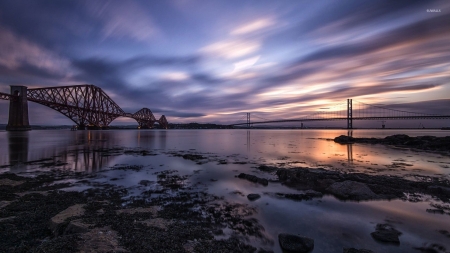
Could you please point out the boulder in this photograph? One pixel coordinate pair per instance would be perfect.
(351, 190)
(386, 233)
(72, 211)
(76, 226)
(295, 243)
(253, 196)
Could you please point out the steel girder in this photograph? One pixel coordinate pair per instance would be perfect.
(5, 96)
(163, 122)
(86, 105)
(144, 118)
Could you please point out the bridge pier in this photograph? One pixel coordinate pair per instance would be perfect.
(18, 110)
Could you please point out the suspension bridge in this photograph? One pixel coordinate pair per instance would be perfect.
(87, 105)
(349, 111)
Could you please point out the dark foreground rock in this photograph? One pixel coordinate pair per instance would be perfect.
(253, 179)
(35, 216)
(386, 233)
(431, 143)
(352, 190)
(295, 244)
(360, 186)
(353, 250)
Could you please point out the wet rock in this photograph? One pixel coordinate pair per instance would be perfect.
(145, 182)
(253, 196)
(266, 168)
(431, 248)
(444, 232)
(72, 211)
(307, 195)
(7, 219)
(4, 204)
(100, 240)
(21, 194)
(254, 179)
(344, 139)
(437, 189)
(193, 157)
(76, 226)
(352, 190)
(439, 211)
(157, 222)
(152, 209)
(353, 250)
(419, 142)
(295, 243)
(9, 182)
(386, 233)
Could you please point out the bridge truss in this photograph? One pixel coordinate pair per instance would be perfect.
(87, 105)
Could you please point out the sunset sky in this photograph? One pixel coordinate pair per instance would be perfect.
(213, 61)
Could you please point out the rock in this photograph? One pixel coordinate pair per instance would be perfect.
(266, 168)
(432, 248)
(9, 182)
(344, 139)
(439, 211)
(4, 203)
(21, 194)
(157, 222)
(7, 219)
(386, 233)
(76, 226)
(193, 157)
(353, 250)
(352, 190)
(253, 196)
(254, 179)
(295, 243)
(145, 182)
(151, 209)
(307, 195)
(439, 189)
(60, 218)
(100, 240)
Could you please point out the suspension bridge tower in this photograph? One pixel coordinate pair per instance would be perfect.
(349, 114)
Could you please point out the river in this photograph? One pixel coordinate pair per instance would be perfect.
(334, 224)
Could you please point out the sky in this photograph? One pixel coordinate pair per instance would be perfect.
(214, 61)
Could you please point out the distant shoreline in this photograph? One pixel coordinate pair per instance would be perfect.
(216, 126)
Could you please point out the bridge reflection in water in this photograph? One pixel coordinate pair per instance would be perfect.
(84, 151)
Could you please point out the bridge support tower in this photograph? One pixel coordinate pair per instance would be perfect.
(18, 110)
(248, 120)
(349, 114)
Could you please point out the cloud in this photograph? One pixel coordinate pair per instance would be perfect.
(124, 19)
(254, 26)
(231, 49)
(18, 52)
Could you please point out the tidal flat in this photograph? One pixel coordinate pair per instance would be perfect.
(221, 191)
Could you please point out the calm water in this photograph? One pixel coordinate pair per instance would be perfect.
(332, 223)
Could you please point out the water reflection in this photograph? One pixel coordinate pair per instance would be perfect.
(350, 153)
(18, 148)
(248, 141)
(162, 139)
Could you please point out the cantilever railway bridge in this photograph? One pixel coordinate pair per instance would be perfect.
(86, 105)
(349, 112)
